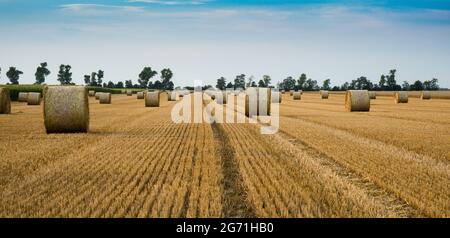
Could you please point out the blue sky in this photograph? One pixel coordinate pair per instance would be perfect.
(206, 39)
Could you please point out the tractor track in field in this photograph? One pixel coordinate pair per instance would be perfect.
(392, 202)
(235, 202)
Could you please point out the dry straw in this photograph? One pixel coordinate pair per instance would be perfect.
(372, 95)
(140, 95)
(129, 93)
(34, 99)
(401, 97)
(66, 109)
(91, 93)
(297, 95)
(425, 95)
(324, 94)
(105, 98)
(23, 97)
(5, 101)
(152, 99)
(357, 100)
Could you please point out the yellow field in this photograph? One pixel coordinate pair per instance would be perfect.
(393, 161)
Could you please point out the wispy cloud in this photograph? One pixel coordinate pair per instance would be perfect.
(99, 8)
(171, 2)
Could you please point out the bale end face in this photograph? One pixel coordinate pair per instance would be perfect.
(401, 97)
(91, 93)
(152, 99)
(372, 95)
(105, 98)
(5, 101)
(129, 93)
(34, 99)
(297, 95)
(324, 94)
(140, 95)
(425, 95)
(357, 100)
(66, 109)
(23, 97)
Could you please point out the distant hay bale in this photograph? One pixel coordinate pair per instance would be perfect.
(34, 99)
(5, 101)
(91, 93)
(297, 95)
(425, 95)
(140, 95)
(66, 109)
(23, 97)
(152, 99)
(291, 93)
(401, 97)
(129, 93)
(97, 95)
(276, 97)
(173, 96)
(357, 100)
(324, 94)
(372, 95)
(259, 98)
(105, 98)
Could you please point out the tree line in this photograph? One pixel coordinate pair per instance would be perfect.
(96, 78)
(240, 81)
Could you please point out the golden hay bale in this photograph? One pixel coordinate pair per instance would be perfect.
(425, 95)
(275, 96)
(291, 93)
(34, 99)
(23, 97)
(105, 98)
(297, 95)
(140, 95)
(66, 109)
(357, 100)
(324, 94)
(401, 97)
(372, 95)
(152, 99)
(97, 95)
(129, 93)
(5, 101)
(260, 100)
(91, 93)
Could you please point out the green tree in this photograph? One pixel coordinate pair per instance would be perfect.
(157, 84)
(267, 80)
(119, 84)
(261, 83)
(41, 73)
(406, 86)
(288, 83)
(250, 81)
(431, 84)
(100, 75)
(128, 83)
(361, 83)
(311, 85)
(391, 83)
(64, 75)
(301, 81)
(166, 76)
(110, 85)
(146, 74)
(345, 86)
(417, 85)
(382, 82)
(326, 84)
(87, 79)
(239, 81)
(230, 85)
(13, 74)
(221, 83)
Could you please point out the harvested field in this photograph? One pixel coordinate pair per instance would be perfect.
(391, 161)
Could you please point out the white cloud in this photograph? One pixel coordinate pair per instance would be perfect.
(169, 2)
(95, 9)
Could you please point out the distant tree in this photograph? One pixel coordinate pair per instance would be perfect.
(361, 83)
(105, 85)
(87, 79)
(110, 85)
(230, 85)
(146, 74)
(64, 75)
(119, 84)
(239, 81)
(416, 86)
(128, 84)
(345, 86)
(301, 81)
(336, 88)
(166, 76)
(267, 80)
(431, 84)
(288, 83)
(100, 75)
(311, 85)
(253, 85)
(326, 84)
(13, 74)
(406, 86)
(41, 73)
(250, 81)
(261, 83)
(391, 83)
(382, 83)
(221, 83)
(157, 85)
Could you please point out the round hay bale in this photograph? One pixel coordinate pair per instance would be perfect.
(401, 97)
(372, 95)
(324, 94)
(291, 93)
(105, 98)
(66, 109)
(91, 93)
(357, 100)
(274, 97)
(152, 99)
(97, 95)
(5, 101)
(23, 97)
(129, 93)
(425, 95)
(34, 99)
(261, 99)
(297, 95)
(140, 95)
